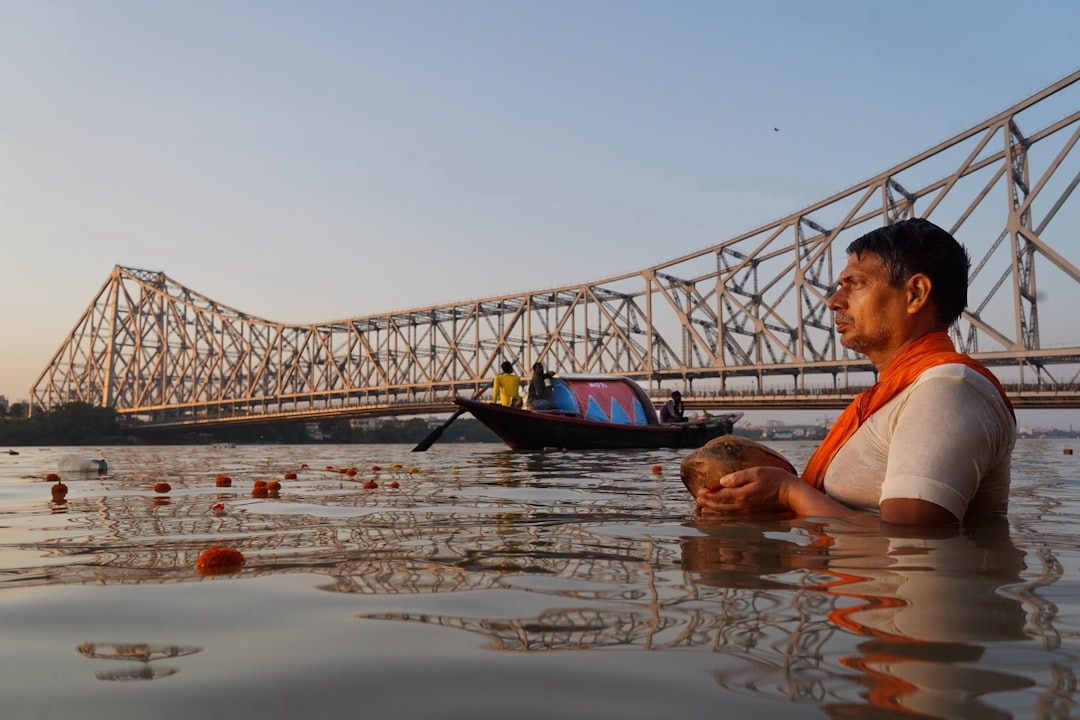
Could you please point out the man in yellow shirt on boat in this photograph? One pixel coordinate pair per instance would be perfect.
(506, 387)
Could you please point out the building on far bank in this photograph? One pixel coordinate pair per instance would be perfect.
(1045, 432)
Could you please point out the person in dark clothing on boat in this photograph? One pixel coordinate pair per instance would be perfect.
(540, 392)
(672, 411)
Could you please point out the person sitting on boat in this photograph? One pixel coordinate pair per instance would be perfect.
(672, 411)
(506, 387)
(540, 392)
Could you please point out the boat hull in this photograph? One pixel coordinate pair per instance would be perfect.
(531, 430)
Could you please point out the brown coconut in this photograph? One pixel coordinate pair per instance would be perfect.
(704, 467)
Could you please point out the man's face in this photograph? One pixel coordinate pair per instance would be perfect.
(870, 315)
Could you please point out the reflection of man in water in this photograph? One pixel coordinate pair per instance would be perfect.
(923, 612)
(930, 443)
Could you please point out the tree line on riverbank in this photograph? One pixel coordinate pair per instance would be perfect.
(84, 424)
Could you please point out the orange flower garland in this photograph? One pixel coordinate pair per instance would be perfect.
(217, 560)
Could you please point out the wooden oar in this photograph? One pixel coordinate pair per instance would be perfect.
(437, 432)
(432, 438)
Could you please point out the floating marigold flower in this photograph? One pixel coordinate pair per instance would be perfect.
(219, 560)
(395, 466)
(260, 483)
(223, 481)
(259, 491)
(59, 490)
(162, 487)
(273, 486)
(375, 468)
(303, 465)
(657, 469)
(218, 509)
(394, 484)
(413, 470)
(52, 477)
(370, 485)
(351, 472)
(290, 476)
(330, 467)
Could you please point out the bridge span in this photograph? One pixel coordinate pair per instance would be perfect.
(740, 325)
(1023, 398)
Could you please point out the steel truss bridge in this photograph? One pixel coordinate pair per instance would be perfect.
(742, 324)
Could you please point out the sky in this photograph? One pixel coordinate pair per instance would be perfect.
(312, 161)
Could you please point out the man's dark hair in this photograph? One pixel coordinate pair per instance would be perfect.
(915, 246)
(507, 367)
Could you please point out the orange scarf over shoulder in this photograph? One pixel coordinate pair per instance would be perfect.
(926, 352)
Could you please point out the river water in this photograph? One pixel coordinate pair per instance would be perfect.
(489, 583)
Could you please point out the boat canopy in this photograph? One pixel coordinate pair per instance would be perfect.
(603, 399)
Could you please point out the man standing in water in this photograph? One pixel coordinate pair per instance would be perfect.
(930, 443)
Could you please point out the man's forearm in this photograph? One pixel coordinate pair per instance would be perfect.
(806, 501)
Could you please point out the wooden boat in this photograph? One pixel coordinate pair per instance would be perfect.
(594, 412)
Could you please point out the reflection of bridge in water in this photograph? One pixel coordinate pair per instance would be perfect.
(740, 325)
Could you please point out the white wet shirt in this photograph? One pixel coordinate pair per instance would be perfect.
(947, 438)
